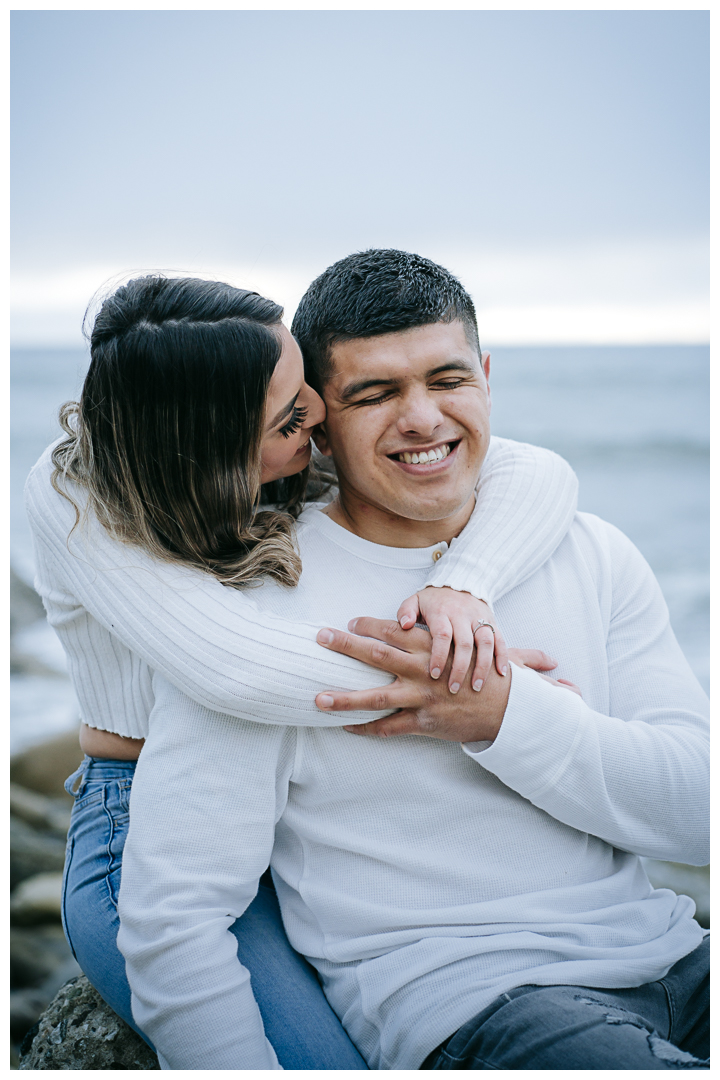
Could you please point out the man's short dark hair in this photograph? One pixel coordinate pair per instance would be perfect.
(380, 291)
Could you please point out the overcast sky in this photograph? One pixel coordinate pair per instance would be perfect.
(556, 160)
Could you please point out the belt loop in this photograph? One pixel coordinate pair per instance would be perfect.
(79, 773)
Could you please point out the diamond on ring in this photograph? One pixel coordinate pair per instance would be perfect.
(483, 623)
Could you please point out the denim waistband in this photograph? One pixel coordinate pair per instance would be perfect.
(98, 769)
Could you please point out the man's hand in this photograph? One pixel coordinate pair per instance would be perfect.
(530, 658)
(452, 618)
(426, 706)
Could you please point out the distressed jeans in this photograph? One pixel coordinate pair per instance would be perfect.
(661, 1025)
(299, 1023)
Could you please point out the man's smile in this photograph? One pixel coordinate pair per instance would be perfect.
(424, 459)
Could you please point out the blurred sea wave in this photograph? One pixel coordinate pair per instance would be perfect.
(633, 422)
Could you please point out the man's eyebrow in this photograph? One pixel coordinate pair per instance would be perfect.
(453, 365)
(353, 389)
(283, 412)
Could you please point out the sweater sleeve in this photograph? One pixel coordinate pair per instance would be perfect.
(639, 777)
(527, 498)
(185, 880)
(214, 643)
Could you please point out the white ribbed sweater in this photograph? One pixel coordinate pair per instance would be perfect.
(420, 880)
(120, 613)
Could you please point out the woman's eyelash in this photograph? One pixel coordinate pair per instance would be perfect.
(295, 422)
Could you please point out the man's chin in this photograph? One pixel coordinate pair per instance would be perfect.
(429, 509)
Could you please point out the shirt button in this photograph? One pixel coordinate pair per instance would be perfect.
(437, 555)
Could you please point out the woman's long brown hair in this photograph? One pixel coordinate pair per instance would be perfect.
(166, 438)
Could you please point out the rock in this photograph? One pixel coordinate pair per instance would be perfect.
(46, 767)
(26, 1006)
(79, 1031)
(35, 954)
(40, 811)
(33, 852)
(40, 963)
(37, 900)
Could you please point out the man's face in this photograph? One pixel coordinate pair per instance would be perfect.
(408, 425)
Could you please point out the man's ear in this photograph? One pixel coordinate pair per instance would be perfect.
(485, 361)
(319, 437)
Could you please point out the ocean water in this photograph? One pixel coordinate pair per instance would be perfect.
(633, 422)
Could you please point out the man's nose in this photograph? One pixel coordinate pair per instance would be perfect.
(419, 414)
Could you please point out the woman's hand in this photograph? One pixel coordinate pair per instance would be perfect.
(426, 707)
(452, 618)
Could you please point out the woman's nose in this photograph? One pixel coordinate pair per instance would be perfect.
(315, 408)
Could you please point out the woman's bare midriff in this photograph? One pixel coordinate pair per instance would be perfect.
(106, 744)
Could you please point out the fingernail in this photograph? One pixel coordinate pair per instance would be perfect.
(325, 637)
(454, 688)
(505, 670)
(351, 625)
(405, 622)
(478, 684)
(350, 728)
(435, 673)
(324, 701)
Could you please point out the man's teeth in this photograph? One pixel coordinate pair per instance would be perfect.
(431, 455)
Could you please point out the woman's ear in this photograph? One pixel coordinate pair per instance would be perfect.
(320, 439)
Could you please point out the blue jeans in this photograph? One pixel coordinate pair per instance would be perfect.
(299, 1023)
(661, 1025)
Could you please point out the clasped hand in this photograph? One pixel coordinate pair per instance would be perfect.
(452, 619)
(426, 706)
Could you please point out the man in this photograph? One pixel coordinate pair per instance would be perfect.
(470, 900)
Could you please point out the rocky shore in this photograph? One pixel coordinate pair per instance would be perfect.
(57, 1019)
(40, 958)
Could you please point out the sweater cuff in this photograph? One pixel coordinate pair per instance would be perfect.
(455, 577)
(539, 732)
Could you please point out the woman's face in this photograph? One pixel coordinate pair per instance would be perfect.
(292, 410)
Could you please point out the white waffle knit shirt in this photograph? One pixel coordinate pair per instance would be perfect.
(119, 613)
(421, 878)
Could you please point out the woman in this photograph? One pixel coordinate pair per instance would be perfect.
(194, 400)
